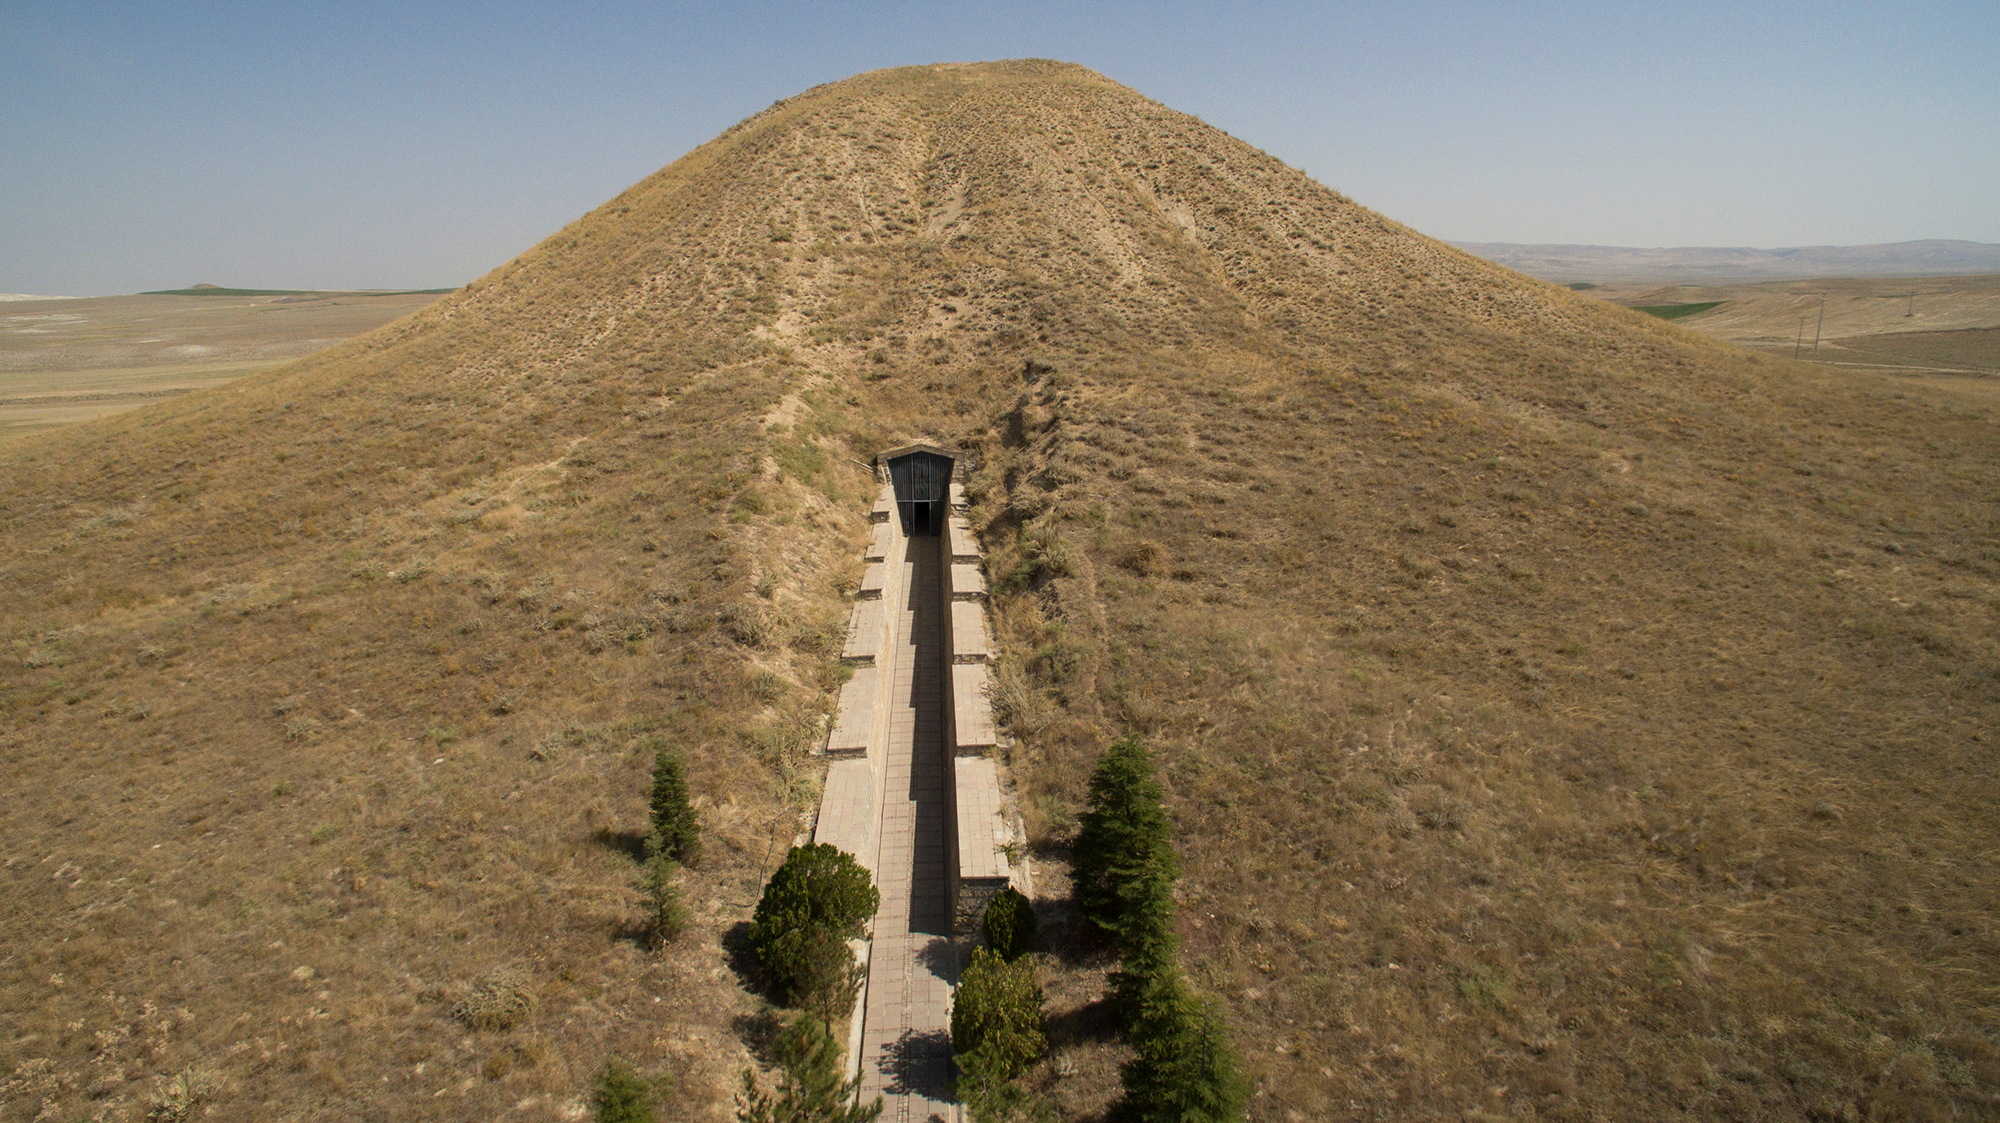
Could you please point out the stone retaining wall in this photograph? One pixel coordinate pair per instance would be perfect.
(850, 808)
(980, 838)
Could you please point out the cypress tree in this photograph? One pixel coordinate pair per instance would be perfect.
(1186, 1070)
(1148, 969)
(676, 829)
(1123, 847)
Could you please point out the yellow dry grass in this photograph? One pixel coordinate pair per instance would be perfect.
(1564, 716)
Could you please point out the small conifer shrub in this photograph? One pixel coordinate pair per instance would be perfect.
(676, 829)
(811, 1088)
(620, 1095)
(996, 1018)
(1009, 924)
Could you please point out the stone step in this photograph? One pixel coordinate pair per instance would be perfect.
(880, 542)
(865, 633)
(964, 544)
(848, 818)
(854, 726)
(967, 583)
(972, 708)
(874, 580)
(968, 632)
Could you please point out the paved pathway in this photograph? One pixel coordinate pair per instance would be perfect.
(906, 1030)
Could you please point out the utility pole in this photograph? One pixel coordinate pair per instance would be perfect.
(1822, 321)
(1913, 307)
(1801, 341)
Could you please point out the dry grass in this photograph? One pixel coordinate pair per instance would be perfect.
(1564, 716)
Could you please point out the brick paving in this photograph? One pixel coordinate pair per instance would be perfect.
(913, 963)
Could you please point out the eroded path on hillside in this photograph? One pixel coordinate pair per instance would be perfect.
(906, 1030)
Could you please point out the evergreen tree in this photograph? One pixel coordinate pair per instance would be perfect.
(1002, 1101)
(676, 829)
(1124, 845)
(1148, 968)
(1186, 1070)
(996, 1017)
(619, 1095)
(810, 1084)
(827, 978)
(819, 899)
(666, 917)
(1009, 924)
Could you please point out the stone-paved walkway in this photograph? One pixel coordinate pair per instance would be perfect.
(906, 1030)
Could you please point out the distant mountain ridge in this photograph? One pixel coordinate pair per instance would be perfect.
(1565, 263)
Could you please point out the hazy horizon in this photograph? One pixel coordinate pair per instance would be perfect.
(374, 147)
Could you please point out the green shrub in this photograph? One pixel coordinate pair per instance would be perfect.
(676, 830)
(1123, 853)
(619, 1095)
(1009, 925)
(1185, 1069)
(996, 1017)
(820, 898)
(810, 1087)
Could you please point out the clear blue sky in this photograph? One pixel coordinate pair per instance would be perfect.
(358, 144)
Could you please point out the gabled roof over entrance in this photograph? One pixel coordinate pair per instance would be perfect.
(882, 458)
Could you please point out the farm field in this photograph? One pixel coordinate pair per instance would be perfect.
(69, 360)
(1937, 324)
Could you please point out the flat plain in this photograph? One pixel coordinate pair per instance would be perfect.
(69, 360)
(1939, 325)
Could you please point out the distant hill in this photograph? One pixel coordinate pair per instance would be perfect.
(219, 290)
(1563, 264)
(1562, 715)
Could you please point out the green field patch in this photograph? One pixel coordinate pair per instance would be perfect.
(211, 290)
(1676, 311)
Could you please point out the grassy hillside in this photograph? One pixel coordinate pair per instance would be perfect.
(1564, 716)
